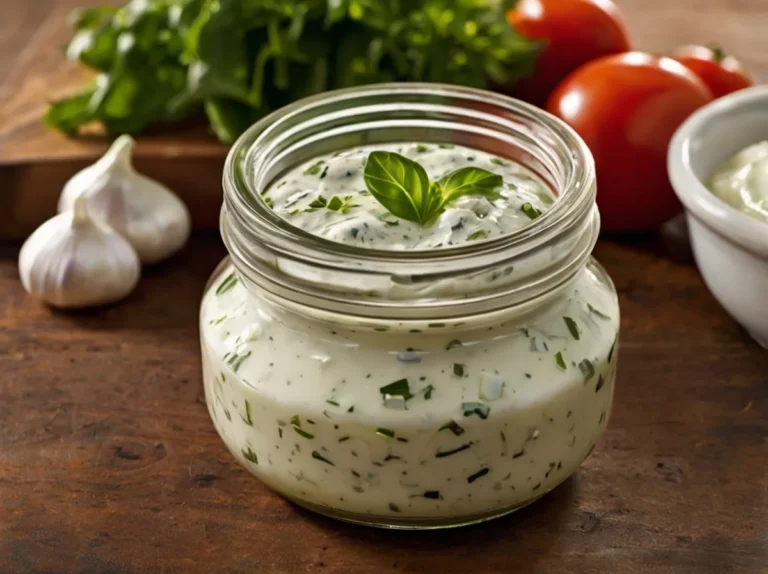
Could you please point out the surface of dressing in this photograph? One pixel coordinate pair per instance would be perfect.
(742, 181)
(303, 196)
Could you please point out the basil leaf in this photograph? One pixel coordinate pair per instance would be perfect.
(470, 181)
(401, 185)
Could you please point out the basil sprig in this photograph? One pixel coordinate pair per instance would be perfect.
(404, 188)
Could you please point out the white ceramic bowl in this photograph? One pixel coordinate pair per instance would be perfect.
(731, 248)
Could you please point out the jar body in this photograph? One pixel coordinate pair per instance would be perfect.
(447, 424)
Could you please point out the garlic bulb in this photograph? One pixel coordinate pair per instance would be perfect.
(150, 216)
(73, 261)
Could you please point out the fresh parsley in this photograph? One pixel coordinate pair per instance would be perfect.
(236, 60)
(402, 186)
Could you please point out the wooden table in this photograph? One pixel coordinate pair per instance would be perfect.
(109, 462)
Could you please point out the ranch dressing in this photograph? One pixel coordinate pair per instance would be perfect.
(451, 421)
(742, 181)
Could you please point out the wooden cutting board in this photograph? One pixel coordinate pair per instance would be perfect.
(35, 162)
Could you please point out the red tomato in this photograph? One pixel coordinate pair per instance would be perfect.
(723, 74)
(626, 108)
(574, 32)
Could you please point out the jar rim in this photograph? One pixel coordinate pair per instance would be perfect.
(289, 262)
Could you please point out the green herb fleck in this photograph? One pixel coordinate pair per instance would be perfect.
(314, 169)
(480, 473)
(393, 507)
(530, 211)
(479, 409)
(296, 424)
(497, 161)
(247, 419)
(587, 369)
(433, 494)
(351, 409)
(453, 344)
(458, 369)
(386, 433)
(444, 453)
(446, 146)
(610, 353)
(236, 360)
(600, 383)
(332, 402)
(399, 388)
(250, 456)
(229, 282)
(422, 148)
(573, 328)
(477, 234)
(560, 361)
(454, 427)
(428, 392)
(317, 456)
(597, 312)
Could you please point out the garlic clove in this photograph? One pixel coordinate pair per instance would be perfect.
(149, 215)
(72, 261)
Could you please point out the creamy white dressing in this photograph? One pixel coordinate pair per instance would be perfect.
(357, 450)
(427, 421)
(742, 181)
(364, 222)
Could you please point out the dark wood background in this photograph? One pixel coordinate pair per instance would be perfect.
(109, 462)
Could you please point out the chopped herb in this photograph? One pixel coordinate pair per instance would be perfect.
(428, 392)
(458, 369)
(530, 211)
(477, 234)
(453, 344)
(572, 327)
(332, 402)
(435, 325)
(296, 424)
(587, 369)
(325, 172)
(560, 361)
(478, 409)
(248, 420)
(536, 487)
(318, 202)
(596, 312)
(317, 456)
(392, 457)
(480, 473)
(386, 433)
(610, 353)
(351, 409)
(229, 282)
(433, 494)
(314, 169)
(393, 507)
(600, 383)
(454, 427)
(343, 439)
(236, 360)
(497, 161)
(399, 388)
(342, 205)
(355, 474)
(446, 146)
(269, 202)
(444, 453)
(422, 148)
(518, 454)
(250, 456)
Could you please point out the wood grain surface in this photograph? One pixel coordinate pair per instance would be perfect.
(110, 463)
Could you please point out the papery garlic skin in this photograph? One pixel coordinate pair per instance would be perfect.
(149, 215)
(72, 261)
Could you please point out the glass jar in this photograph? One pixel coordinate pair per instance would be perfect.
(410, 389)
